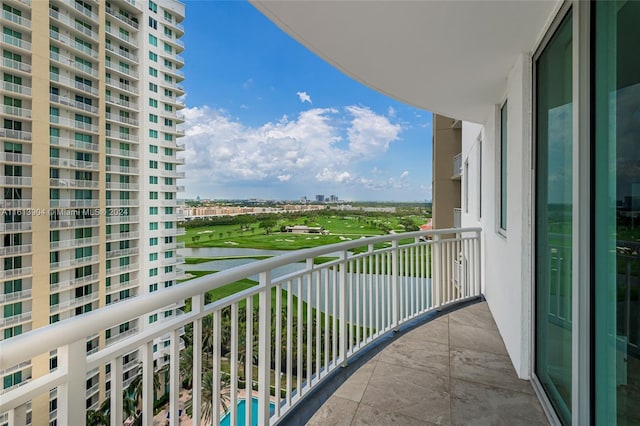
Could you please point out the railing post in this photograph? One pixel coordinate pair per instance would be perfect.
(197, 304)
(435, 280)
(116, 391)
(395, 290)
(73, 393)
(148, 389)
(264, 345)
(477, 267)
(174, 378)
(343, 309)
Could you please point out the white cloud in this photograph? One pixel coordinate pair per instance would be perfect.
(404, 174)
(304, 97)
(370, 133)
(243, 106)
(328, 175)
(324, 145)
(247, 84)
(391, 112)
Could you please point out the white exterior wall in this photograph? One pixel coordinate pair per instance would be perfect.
(506, 266)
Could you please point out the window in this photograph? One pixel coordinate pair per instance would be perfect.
(153, 134)
(153, 272)
(153, 40)
(503, 166)
(553, 218)
(153, 256)
(153, 241)
(153, 226)
(154, 88)
(153, 164)
(153, 56)
(153, 72)
(153, 211)
(153, 180)
(153, 103)
(153, 23)
(153, 149)
(153, 7)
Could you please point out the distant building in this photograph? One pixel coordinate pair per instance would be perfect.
(333, 198)
(303, 199)
(303, 229)
(320, 198)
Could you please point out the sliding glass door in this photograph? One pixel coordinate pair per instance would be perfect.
(553, 228)
(617, 213)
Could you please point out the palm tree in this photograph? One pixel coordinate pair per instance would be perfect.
(97, 418)
(207, 397)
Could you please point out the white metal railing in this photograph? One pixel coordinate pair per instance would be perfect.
(73, 83)
(16, 65)
(304, 324)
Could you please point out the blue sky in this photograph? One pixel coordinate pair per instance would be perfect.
(266, 118)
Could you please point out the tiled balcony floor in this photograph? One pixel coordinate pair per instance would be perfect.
(453, 370)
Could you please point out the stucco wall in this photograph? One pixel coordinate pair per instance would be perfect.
(506, 267)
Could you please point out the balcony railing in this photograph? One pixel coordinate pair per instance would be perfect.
(305, 324)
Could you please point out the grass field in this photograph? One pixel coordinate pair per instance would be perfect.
(341, 228)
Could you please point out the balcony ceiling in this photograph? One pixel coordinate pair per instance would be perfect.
(449, 57)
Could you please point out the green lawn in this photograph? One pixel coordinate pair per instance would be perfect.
(341, 228)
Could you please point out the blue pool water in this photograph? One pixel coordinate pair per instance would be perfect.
(242, 421)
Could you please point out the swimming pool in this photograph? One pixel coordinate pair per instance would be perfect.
(226, 419)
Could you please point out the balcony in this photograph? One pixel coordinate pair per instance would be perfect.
(73, 223)
(15, 250)
(15, 134)
(72, 143)
(62, 100)
(72, 64)
(73, 24)
(15, 181)
(73, 164)
(16, 42)
(19, 89)
(122, 18)
(16, 19)
(16, 65)
(122, 53)
(356, 300)
(452, 370)
(66, 81)
(15, 111)
(127, 39)
(74, 124)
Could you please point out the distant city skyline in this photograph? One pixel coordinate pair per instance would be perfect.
(268, 119)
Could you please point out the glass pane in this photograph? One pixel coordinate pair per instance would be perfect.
(617, 214)
(553, 219)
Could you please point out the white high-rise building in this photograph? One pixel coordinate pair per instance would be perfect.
(88, 142)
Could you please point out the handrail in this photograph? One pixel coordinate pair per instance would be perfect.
(436, 268)
(45, 339)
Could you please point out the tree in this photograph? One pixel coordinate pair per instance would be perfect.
(267, 225)
(207, 397)
(229, 234)
(221, 235)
